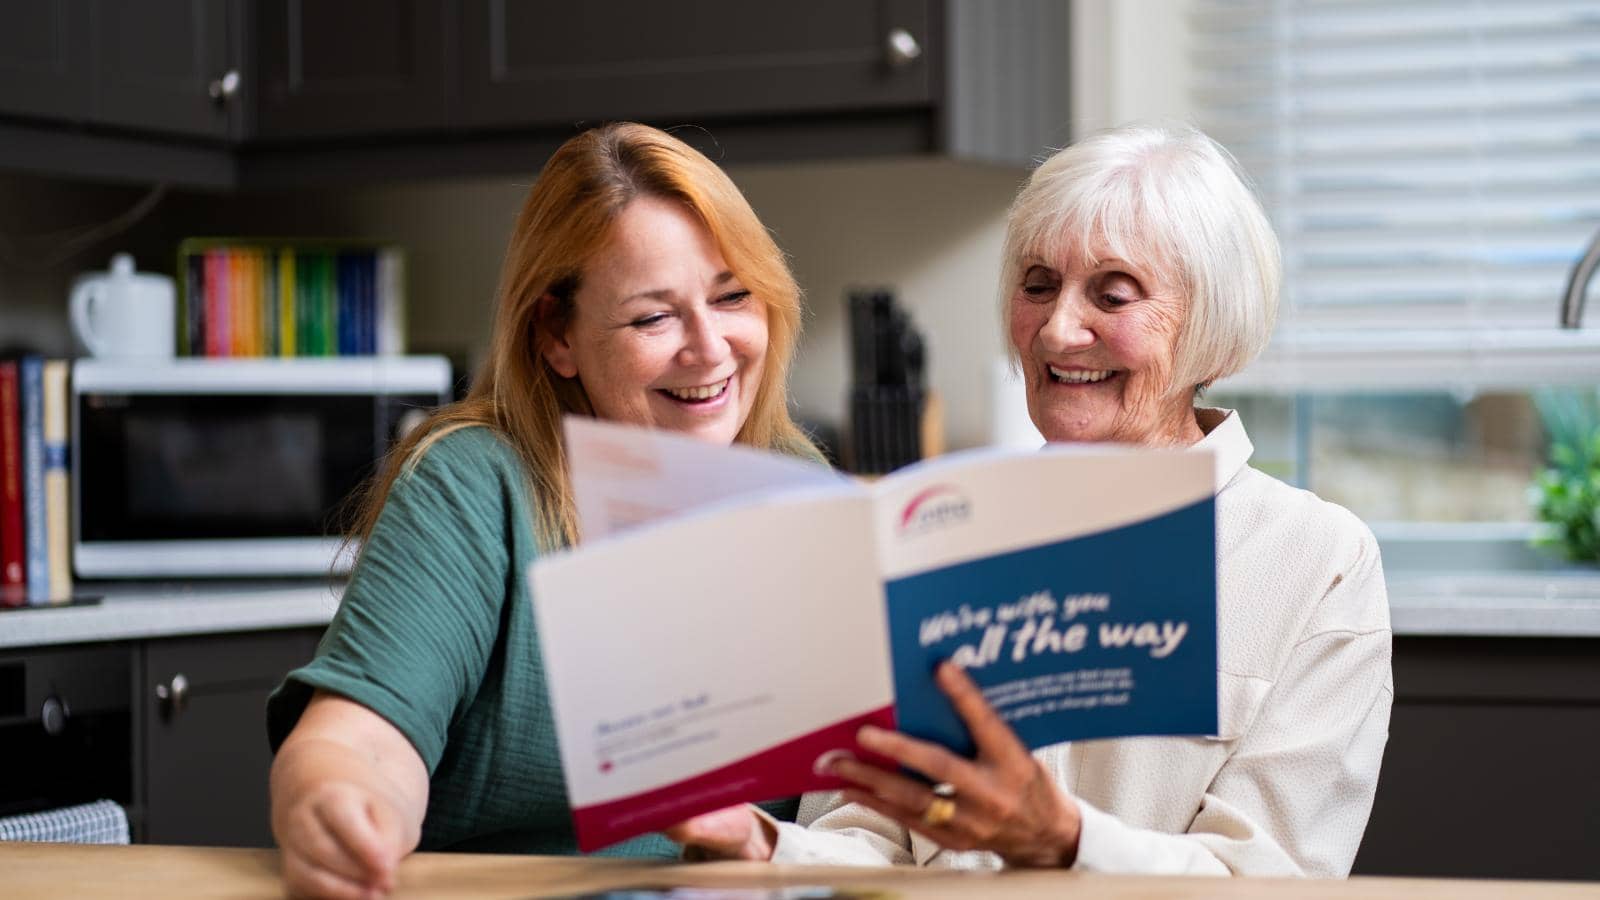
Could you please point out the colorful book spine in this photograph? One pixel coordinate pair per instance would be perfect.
(267, 265)
(287, 315)
(192, 333)
(347, 282)
(57, 485)
(390, 312)
(304, 272)
(368, 334)
(246, 322)
(13, 559)
(328, 290)
(35, 538)
(218, 305)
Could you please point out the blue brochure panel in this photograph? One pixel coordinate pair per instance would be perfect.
(1109, 634)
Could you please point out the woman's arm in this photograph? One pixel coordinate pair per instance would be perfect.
(348, 796)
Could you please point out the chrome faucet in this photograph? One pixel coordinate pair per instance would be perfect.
(1578, 284)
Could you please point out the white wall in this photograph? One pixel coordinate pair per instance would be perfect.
(931, 230)
(1130, 60)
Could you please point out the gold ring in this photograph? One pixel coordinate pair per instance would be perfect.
(939, 812)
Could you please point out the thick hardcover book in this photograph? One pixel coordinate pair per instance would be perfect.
(733, 617)
(57, 490)
(13, 559)
(35, 538)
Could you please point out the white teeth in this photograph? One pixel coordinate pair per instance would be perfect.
(703, 392)
(1080, 376)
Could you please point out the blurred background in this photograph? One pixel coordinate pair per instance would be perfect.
(1433, 169)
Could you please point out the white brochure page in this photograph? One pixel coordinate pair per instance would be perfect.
(624, 475)
(985, 502)
(677, 650)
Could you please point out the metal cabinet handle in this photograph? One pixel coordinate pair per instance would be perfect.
(901, 48)
(225, 88)
(174, 694)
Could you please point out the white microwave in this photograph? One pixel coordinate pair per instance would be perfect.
(232, 467)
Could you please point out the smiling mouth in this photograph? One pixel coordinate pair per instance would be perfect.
(1080, 376)
(704, 393)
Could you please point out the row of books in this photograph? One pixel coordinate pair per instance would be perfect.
(263, 300)
(35, 507)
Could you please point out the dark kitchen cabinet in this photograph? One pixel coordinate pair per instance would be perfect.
(150, 67)
(522, 63)
(294, 93)
(171, 729)
(65, 728)
(44, 58)
(167, 66)
(1490, 768)
(205, 755)
(351, 68)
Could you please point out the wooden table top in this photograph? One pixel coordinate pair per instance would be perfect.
(66, 870)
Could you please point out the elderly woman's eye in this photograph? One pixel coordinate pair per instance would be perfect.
(1038, 285)
(1113, 301)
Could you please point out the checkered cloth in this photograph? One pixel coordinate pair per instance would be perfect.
(100, 822)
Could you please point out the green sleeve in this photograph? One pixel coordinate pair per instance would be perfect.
(420, 615)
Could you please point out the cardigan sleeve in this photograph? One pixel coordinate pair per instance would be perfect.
(1292, 798)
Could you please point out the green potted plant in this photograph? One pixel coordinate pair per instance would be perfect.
(1567, 493)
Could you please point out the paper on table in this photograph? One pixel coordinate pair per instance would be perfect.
(622, 478)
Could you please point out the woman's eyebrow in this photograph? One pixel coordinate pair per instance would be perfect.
(652, 294)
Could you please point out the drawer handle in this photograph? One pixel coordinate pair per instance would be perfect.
(54, 714)
(174, 694)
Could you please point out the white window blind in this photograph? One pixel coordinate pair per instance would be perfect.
(1431, 166)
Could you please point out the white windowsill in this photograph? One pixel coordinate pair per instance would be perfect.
(1382, 361)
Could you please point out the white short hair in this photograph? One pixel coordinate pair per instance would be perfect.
(1171, 199)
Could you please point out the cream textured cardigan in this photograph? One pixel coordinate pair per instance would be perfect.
(1304, 690)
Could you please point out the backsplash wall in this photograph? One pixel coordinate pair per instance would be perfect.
(929, 229)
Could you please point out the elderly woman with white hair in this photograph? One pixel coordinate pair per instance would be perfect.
(1138, 269)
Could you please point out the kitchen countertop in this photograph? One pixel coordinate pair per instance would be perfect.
(127, 611)
(1522, 604)
(1542, 604)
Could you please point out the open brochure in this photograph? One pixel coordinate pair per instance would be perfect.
(733, 617)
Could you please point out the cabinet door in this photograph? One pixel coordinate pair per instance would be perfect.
(159, 63)
(44, 59)
(352, 68)
(557, 63)
(1490, 767)
(206, 758)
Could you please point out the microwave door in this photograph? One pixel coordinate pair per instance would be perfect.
(232, 484)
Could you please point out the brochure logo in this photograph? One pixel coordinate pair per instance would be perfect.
(935, 508)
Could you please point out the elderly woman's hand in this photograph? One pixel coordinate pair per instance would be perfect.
(1004, 801)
